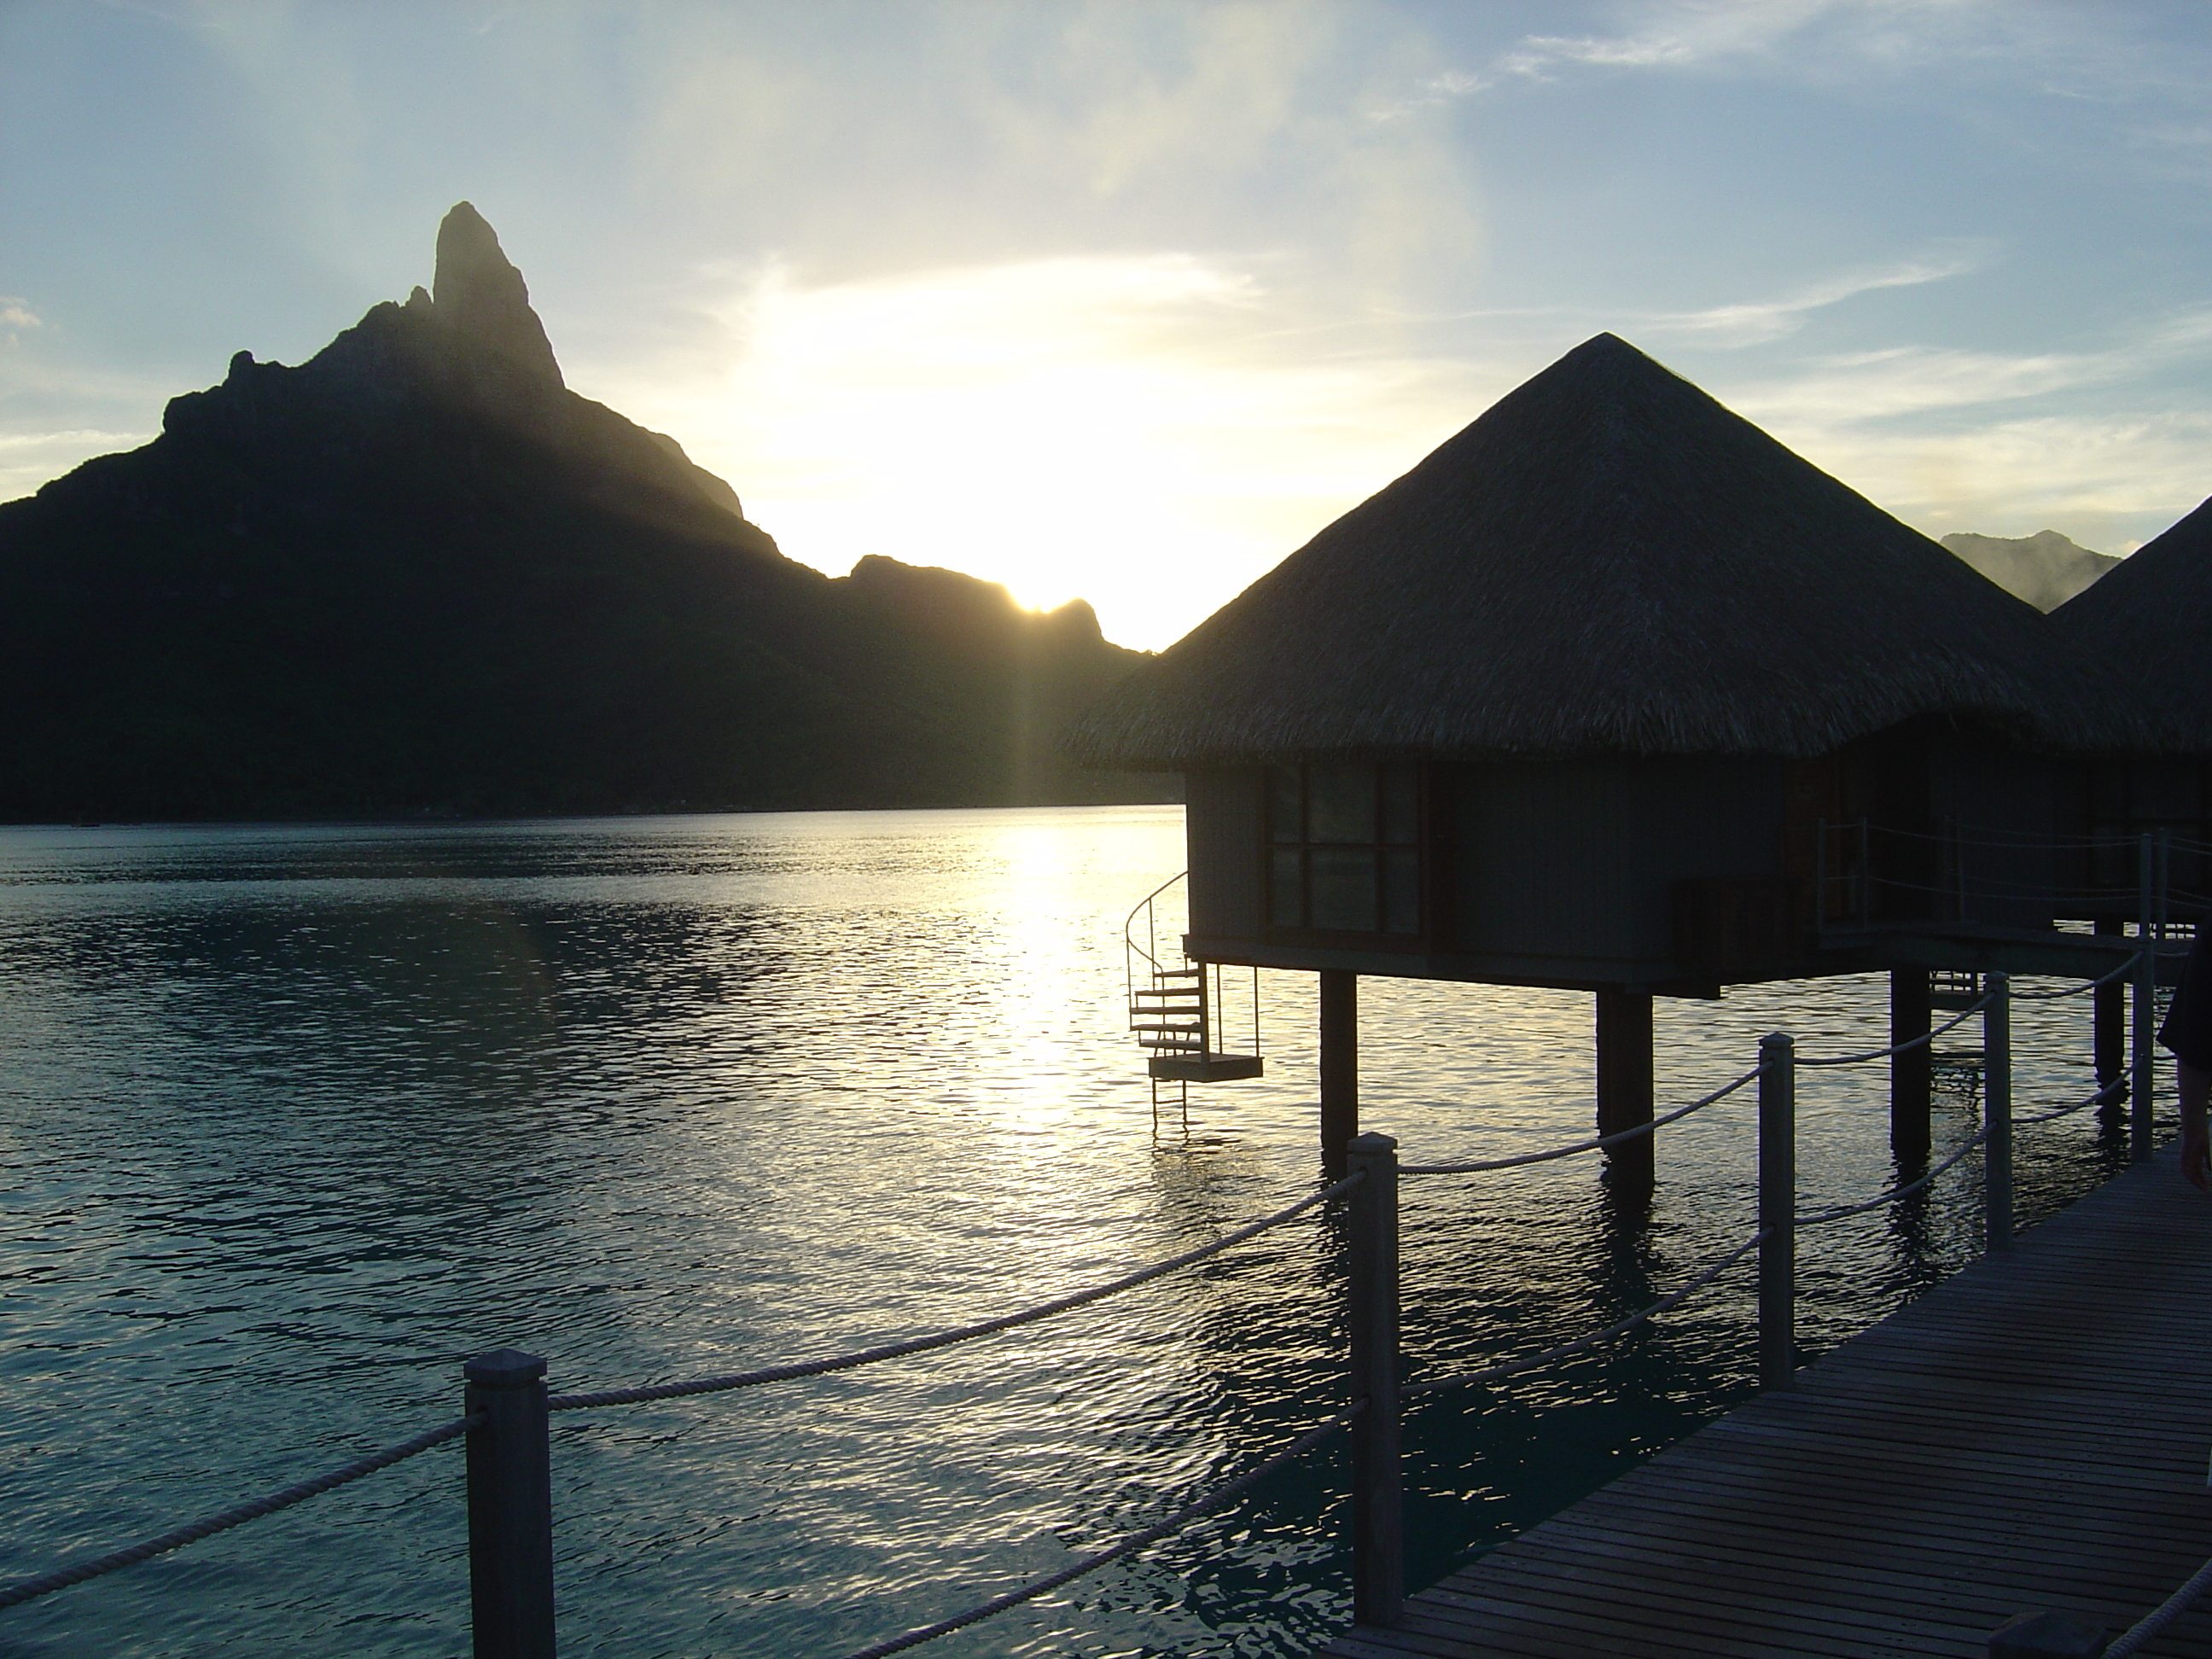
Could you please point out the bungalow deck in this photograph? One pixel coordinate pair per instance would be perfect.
(2030, 1434)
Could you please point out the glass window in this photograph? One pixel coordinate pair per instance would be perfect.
(1401, 890)
(1285, 804)
(1345, 848)
(1340, 804)
(1286, 887)
(1343, 888)
(1401, 806)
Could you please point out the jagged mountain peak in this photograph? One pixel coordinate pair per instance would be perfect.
(479, 294)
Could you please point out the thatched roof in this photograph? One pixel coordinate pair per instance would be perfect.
(2150, 618)
(1606, 562)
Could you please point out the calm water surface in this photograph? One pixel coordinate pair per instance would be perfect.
(295, 1119)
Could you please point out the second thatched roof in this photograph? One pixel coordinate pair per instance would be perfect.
(1606, 562)
(2150, 618)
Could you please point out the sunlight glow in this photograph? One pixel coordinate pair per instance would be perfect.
(1143, 432)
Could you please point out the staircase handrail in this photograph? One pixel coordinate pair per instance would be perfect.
(1143, 906)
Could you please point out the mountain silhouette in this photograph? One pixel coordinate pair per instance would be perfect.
(2046, 569)
(417, 574)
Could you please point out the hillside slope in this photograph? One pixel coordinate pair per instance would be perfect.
(418, 573)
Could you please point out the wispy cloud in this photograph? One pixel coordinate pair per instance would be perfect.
(1433, 92)
(2056, 50)
(1865, 388)
(2095, 442)
(16, 319)
(1677, 37)
(1757, 322)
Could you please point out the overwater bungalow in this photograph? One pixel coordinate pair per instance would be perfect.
(2150, 618)
(1613, 692)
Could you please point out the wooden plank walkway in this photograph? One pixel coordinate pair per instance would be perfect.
(2032, 1433)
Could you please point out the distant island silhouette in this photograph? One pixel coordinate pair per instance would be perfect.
(2046, 569)
(417, 575)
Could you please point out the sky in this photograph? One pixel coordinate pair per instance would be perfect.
(1126, 300)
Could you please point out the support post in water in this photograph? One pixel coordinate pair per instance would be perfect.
(1996, 1114)
(1378, 1525)
(510, 1507)
(1624, 1077)
(1777, 1211)
(2109, 1040)
(1339, 1065)
(2146, 1013)
(1912, 1071)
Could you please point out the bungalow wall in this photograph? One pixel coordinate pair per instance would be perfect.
(1569, 870)
(1675, 874)
(1550, 873)
(2114, 803)
(1995, 826)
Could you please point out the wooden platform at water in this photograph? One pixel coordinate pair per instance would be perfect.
(2032, 1434)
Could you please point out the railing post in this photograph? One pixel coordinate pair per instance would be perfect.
(1996, 1114)
(1912, 1071)
(510, 1508)
(2109, 1018)
(1378, 1529)
(1777, 1211)
(2141, 1075)
(1340, 1066)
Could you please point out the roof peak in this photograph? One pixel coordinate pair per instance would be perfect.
(1605, 560)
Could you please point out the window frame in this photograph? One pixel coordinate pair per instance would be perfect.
(1426, 863)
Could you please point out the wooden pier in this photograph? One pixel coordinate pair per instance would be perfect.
(2032, 1434)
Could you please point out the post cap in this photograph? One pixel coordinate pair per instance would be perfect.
(1371, 1145)
(504, 1368)
(1778, 1036)
(2045, 1636)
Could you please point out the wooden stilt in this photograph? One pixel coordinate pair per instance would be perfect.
(1340, 1066)
(1624, 1076)
(1911, 1070)
(2110, 1040)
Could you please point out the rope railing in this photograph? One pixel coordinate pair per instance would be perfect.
(1990, 837)
(508, 1405)
(1128, 1546)
(1821, 1218)
(1898, 1047)
(572, 1403)
(2112, 1091)
(2138, 1635)
(2120, 972)
(237, 1515)
(1552, 1356)
(1581, 1146)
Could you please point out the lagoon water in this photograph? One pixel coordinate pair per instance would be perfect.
(296, 1119)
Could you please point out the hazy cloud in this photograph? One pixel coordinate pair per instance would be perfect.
(29, 460)
(2090, 443)
(1757, 322)
(1150, 432)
